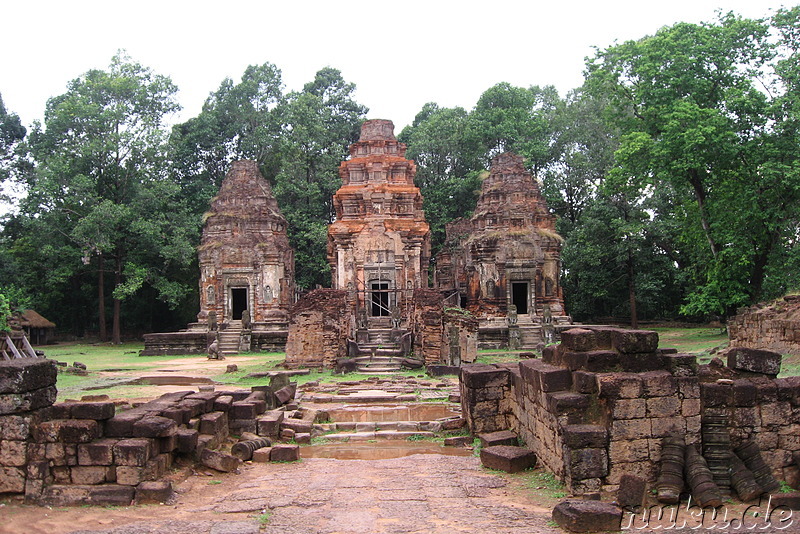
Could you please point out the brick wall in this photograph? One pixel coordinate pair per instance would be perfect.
(84, 452)
(318, 329)
(598, 405)
(774, 327)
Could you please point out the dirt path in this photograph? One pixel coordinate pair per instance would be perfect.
(423, 493)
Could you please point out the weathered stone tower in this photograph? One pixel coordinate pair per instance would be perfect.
(246, 272)
(379, 246)
(504, 262)
(245, 259)
(379, 314)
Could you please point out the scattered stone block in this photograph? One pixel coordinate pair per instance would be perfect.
(502, 437)
(99, 411)
(243, 410)
(302, 438)
(630, 494)
(187, 440)
(27, 374)
(67, 430)
(287, 433)
(286, 393)
(298, 425)
(262, 455)
(242, 426)
(787, 500)
(442, 370)
(578, 515)
(458, 441)
(269, 423)
(453, 423)
(219, 461)
(755, 360)
(154, 492)
(283, 452)
(154, 426)
(214, 423)
(132, 452)
(223, 403)
(507, 458)
(99, 452)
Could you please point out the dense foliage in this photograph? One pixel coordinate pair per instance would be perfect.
(674, 169)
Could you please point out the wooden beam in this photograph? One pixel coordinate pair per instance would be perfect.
(26, 346)
(13, 347)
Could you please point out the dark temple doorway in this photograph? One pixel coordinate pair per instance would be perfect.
(238, 302)
(380, 299)
(519, 296)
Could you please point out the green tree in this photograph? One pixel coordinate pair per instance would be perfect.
(319, 123)
(238, 121)
(101, 198)
(449, 160)
(12, 132)
(693, 119)
(515, 119)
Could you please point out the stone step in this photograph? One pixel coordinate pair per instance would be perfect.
(387, 366)
(377, 435)
(376, 359)
(395, 426)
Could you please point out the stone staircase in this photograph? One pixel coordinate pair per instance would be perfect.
(379, 355)
(229, 338)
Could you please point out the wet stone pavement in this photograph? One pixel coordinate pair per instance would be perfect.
(423, 493)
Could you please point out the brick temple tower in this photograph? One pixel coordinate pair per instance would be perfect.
(379, 246)
(506, 256)
(245, 259)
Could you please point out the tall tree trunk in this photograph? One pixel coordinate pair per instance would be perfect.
(758, 271)
(115, 336)
(632, 292)
(700, 196)
(101, 300)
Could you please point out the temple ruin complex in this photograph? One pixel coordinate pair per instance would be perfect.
(501, 266)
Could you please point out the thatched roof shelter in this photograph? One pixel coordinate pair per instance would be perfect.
(36, 327)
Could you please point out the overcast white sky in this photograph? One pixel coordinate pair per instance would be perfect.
(400, 54)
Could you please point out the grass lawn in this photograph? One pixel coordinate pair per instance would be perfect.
(692, 340)
(111, 366)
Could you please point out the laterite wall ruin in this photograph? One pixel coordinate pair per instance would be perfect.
(87, 453)
(598, 405)
(772, 327)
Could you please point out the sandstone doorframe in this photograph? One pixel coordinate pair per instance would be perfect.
(238, 297)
